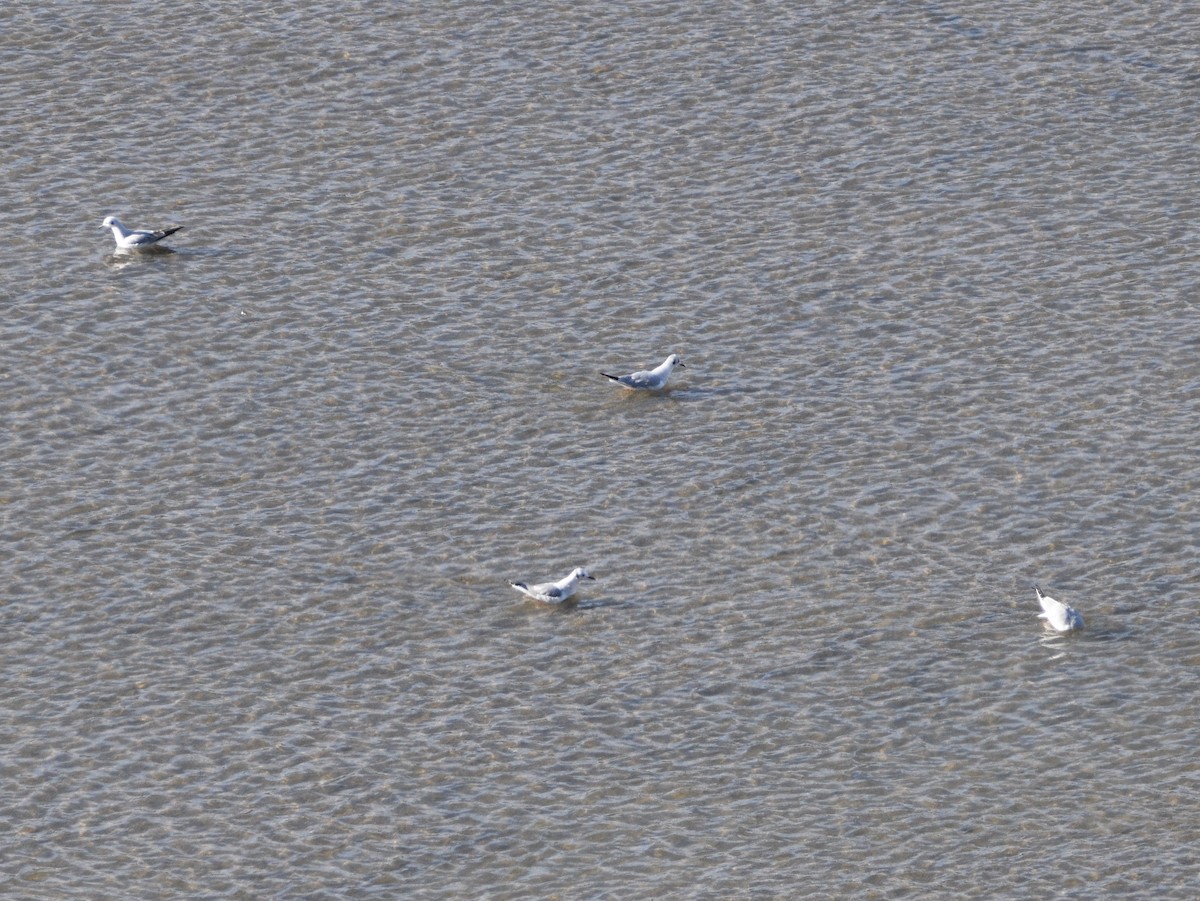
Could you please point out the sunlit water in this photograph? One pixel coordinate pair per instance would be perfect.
(933, 273)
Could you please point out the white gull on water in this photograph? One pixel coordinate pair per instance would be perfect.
(555, 592)
(133, 239)
(1057, 615)
(649, 379)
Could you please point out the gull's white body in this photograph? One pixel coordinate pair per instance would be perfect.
(133, 239)
(1057, 615)
(555, 592)
(649, 379)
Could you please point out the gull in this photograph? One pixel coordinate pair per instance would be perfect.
(1057, 615)
(132, 239)
(649, 379)
(555, 592)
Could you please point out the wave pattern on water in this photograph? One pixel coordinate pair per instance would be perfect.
(932, 274)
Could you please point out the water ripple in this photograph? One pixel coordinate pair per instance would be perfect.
(930, 272)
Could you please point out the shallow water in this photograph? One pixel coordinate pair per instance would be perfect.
(932, 273)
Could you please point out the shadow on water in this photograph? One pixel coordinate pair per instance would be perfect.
(1062, 642)
(573, 605)
(603, 605)
(122, 259)
(685, 394)
(151, 256)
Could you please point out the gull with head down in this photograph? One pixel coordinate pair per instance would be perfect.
(1058, 616)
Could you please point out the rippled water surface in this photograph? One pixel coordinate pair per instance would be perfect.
(933, 273)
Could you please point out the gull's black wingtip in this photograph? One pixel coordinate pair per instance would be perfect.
(615, 378)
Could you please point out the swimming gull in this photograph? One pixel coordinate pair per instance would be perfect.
(133, 239)
(555, 592)
(649, 379)
(1057, 615)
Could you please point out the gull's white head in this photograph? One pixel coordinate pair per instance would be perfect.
(675, 361)
(580, 573)
(109, 222)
